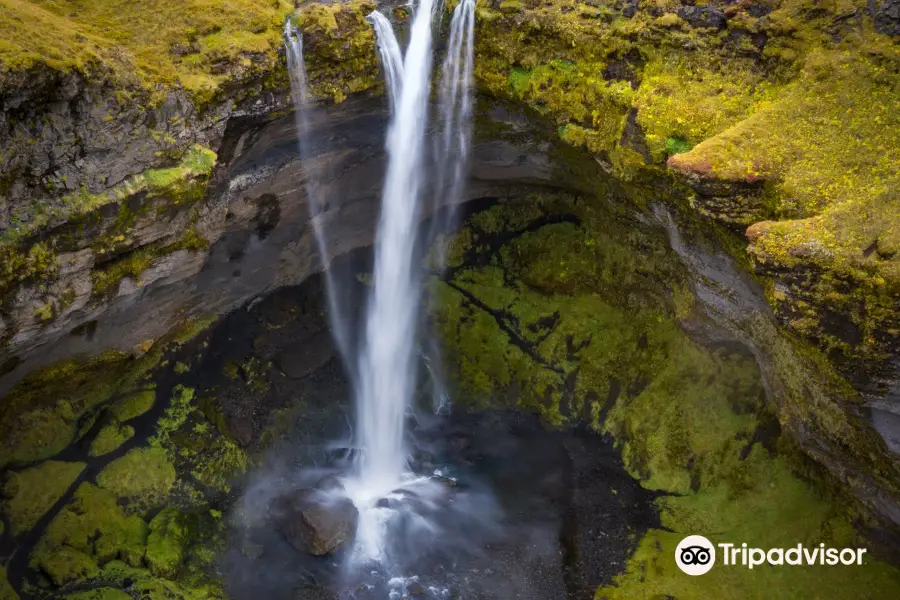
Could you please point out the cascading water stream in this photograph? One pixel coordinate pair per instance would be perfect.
(387, 369)
(391, 57)
(386, 365)
(293, 42)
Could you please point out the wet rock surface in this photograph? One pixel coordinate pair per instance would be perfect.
(312, 521)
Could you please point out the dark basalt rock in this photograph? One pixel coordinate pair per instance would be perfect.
(703, 16)
(887, 16)
(300, 360)
(314, 521)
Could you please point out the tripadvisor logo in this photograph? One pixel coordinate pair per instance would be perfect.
(696, 555)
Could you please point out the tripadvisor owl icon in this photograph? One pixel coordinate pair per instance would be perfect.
(695, 555)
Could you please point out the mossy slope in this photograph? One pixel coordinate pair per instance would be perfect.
(578, 320)
(150, 45)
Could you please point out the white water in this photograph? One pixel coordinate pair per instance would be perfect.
(391, 57)
(293, 42)
(452, 153)
(387, 369)
(386, 364)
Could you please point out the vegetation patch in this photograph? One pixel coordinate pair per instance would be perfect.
(154, 45)
(578, 321)
(29, 494)
(110, 437)
(94, 524)
(339, 48)
(141, 479)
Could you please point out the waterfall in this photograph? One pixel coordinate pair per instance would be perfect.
(386, 364)
(391, 57)
(293, 42)
(387, 369)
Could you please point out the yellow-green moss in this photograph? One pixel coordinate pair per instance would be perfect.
(144, 584)
(109, 438)
(99, 594)
(165, 546)
(6, 590)
(574, 322)
(67, 565)
(141, 479)
(152, 46)
(133, 405)
(339, 48)
(16, 266)
(94, 524)
(41, 413)
(763, 504)
(31, 493)
(195, 443)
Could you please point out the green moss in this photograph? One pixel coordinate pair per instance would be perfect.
(16, 267)
(6, 590)
(572, 321)
(199, 45)
(677, 145)
(141, 479)
(339, 48)
(197, 445)
(99, 594)
(165, 546)
(31, 493)
(146, 585)
(94, 524)
(769, 508)
(67, 565)
(109, 438)
(40, 415)
(133, 405)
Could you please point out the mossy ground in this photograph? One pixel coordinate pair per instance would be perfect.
(147, 46)
(578, 320)
(29, 494)
(141, 479)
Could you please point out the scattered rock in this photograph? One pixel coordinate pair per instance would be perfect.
(703, 16)
(316, 522)
(887, 16)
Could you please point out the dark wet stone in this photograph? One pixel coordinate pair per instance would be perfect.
(887, 16)
(300, 360)
(313, 522)
(703, 16)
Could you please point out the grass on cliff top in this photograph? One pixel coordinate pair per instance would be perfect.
(197, 43)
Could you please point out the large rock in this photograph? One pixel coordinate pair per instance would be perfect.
(315, 521)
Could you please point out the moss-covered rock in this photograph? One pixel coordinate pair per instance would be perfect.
(6, 590)
(41, 413)
(94, 523)
(99, 594)
(141, 479)
(165, 546)
(339, 48)
(66, 565)
(133, 405)
(110, 437)
(783, 111)
(29, 494)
